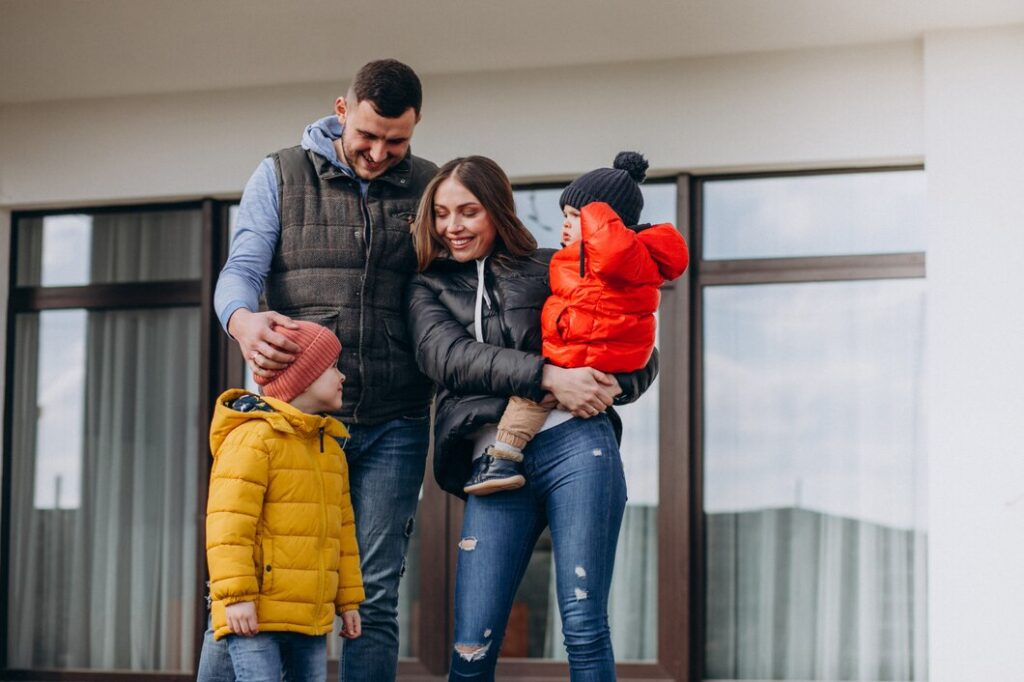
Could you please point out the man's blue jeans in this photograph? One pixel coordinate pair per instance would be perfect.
(385, 465)
(575, 485)
(265, 656)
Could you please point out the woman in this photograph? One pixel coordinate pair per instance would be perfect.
(474, 314)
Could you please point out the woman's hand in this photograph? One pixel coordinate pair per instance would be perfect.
(583, 391)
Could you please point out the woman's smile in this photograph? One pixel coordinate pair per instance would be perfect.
(457, 243)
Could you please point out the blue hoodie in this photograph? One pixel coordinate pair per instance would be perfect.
(258, 225)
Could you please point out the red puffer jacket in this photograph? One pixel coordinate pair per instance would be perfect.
(605, 319)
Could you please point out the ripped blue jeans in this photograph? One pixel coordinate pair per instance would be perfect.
(575, 485)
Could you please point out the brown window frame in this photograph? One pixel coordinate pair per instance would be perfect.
(196, 293)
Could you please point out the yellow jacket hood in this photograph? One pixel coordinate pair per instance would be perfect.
(237, 406)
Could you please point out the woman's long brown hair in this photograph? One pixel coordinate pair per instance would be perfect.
(491, 187)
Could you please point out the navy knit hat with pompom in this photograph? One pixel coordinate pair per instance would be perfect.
(618, 186)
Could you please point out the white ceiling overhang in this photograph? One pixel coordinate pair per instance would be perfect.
(59, 49)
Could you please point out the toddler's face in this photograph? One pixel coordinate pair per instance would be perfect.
(327, 388)
(571, 230)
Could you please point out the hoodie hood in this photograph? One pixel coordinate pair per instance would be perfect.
(237, 406)
(319, 137)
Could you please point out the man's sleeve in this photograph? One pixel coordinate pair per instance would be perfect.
(257, 230)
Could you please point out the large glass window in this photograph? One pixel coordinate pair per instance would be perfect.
(814, 215)
(76, 249)
(102, 570)
(535, 626)
(814, 467)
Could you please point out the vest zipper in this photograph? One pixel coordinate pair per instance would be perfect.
(364, 208)
(321, 440)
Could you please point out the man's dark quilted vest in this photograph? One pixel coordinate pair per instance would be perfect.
(330, 268)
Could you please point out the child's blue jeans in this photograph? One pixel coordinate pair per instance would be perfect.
(265, 656)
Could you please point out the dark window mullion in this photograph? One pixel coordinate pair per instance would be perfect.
(108, 296)
(804, 172)
(812, 269)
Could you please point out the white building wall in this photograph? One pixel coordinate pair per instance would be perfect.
(974, 103)
(812, 107)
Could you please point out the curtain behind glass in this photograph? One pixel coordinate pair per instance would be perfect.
(143, 247)
(795, 594)
(109, 583)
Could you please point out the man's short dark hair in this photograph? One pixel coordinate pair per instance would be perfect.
(390, 86)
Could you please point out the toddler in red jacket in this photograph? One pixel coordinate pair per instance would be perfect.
(604, 293)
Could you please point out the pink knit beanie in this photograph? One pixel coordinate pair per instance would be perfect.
(320, 350)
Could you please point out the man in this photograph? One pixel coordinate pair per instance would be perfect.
(325, 226)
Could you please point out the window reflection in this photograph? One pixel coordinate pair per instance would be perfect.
(67, 245)
(61, 398)
(814, 485)
(815, 215)
(539, 211)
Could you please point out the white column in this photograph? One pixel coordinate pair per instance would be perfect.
(974, 117)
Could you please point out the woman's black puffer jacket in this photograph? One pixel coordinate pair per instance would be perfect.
(476, 379)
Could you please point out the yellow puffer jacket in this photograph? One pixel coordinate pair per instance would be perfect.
(280, 530)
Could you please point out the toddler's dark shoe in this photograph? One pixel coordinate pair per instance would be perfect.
(493, 474)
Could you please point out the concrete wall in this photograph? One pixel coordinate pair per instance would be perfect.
(812, 107)
(974, 103)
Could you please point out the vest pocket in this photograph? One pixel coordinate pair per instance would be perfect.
(402, 371)
(398, 336)
(323, 315)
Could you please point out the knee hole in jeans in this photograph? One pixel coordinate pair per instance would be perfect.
(472, 652)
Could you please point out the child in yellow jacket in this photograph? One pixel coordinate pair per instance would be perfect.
(280, 531)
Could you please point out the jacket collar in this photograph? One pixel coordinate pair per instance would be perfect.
(297, 421)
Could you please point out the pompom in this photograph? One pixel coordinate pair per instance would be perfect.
(633, 163)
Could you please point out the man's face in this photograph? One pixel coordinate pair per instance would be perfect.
(370, 143)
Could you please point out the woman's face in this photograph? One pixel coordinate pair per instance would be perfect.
(461, 222)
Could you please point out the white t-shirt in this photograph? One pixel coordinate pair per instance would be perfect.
(487, 434)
